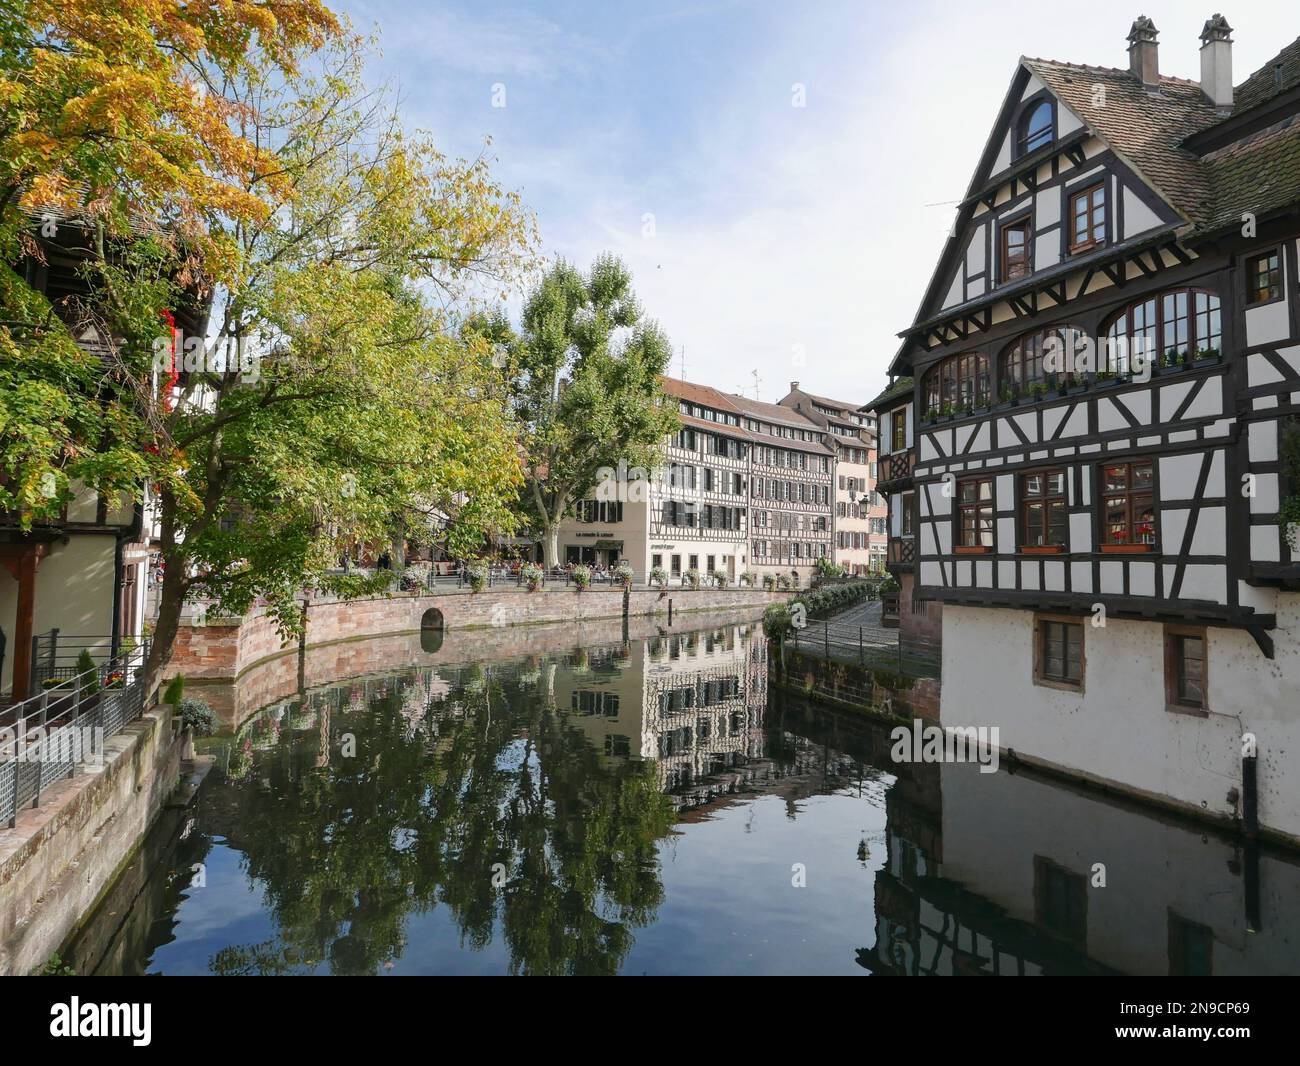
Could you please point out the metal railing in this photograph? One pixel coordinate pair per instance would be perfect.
(47, 736)
(869, 645)
(561, 577)
(55, 656)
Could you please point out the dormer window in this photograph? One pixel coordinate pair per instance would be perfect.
(1036, 128)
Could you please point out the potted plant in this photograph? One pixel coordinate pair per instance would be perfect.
(692, 578)
(533, 576)
(659, 576)
(477, 573)
(196, 715)
(581, 576)
(769, 582)
(623, 574)
(720, 578)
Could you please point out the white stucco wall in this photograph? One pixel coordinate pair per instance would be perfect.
(1118, 729)
(74, 593)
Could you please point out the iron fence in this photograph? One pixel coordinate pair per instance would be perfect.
(870, 645)
(47, 736)
(559, 577)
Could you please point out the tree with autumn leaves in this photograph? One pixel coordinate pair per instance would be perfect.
(233, 157)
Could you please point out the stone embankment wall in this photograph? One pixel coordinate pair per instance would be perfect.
(65, 853)
(225, 648)
(240, 665)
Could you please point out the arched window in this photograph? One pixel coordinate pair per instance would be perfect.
(1035, 128)
(1167, 326)
(959, 382)
(1040, 358)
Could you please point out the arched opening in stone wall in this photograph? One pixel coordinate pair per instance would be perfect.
(432, 626)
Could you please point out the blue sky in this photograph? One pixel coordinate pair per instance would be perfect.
(791, 240)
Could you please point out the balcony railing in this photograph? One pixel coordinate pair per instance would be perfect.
(895, 466)
(901, 551)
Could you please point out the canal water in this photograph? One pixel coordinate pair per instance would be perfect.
(650, 806)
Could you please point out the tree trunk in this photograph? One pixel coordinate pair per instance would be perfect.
(169, 609)
(551, 533)
(398, 551)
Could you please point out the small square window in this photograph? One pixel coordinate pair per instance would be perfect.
(1058, 653)
(1263, 278)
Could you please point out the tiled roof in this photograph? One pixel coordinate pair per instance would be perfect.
(1279, 74)
(1146, 127)
(773, 412)
(897, 391)
(704, 395)
(839, 405)
(741, 406)
(1259, 174)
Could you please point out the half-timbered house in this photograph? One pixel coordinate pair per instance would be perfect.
(75, 579)
(688, 514)
(792, 470)
(1090, 445)
(858, 516)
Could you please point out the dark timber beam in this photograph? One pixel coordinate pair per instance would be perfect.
(1263, 639)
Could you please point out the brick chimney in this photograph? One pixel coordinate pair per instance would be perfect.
(1142, 61)
(794, 386)
(1216, 62)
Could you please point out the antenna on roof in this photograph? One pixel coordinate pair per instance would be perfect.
(681, 353)
(754, 374)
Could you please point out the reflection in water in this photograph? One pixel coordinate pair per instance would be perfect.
(645, 807)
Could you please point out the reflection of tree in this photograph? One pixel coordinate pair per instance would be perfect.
(348, 849)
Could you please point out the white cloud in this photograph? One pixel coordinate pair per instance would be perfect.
(775, 226)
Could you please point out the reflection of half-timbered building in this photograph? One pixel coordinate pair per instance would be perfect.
(1096, 470)
(692, 701)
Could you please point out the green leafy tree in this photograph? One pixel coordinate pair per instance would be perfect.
(331, 397)
(586, 382)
